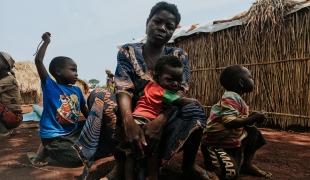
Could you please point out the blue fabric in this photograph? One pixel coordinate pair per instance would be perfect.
(61, 108)
(35, 115)
(32, 116)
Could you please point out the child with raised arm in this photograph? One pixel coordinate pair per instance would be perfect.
(62, 104)
(230, 139)
(159, 95)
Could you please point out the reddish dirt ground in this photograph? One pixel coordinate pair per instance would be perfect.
(287, 156)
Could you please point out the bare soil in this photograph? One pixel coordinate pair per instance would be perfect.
(286, 156)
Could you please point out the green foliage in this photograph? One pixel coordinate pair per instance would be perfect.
(93, 83)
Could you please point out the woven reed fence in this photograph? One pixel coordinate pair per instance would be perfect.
(278, 57)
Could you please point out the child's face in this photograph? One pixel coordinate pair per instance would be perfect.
(246, 81)
(68, 74)
(171, 78)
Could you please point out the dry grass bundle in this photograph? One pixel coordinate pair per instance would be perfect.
(268, 13)
(279, 59)
(83, 86)
(28, 81)
(27, 76)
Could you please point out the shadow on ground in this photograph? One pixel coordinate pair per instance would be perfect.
(286, 155)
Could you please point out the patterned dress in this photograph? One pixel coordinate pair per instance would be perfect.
(131, 76)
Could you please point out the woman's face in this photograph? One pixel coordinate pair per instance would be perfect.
(160, 27)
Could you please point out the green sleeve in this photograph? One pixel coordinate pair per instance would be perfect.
(170, 97)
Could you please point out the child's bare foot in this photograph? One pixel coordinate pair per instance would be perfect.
(195, 172)
(255, 171)
(212, 175)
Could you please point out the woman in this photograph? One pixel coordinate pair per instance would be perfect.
(10, 99)
(134, 65)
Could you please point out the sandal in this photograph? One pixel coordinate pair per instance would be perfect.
(35, 160)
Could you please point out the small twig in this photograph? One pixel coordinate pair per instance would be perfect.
(26, 165)
(38, 47)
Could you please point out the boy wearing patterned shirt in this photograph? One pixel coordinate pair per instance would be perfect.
(62, 104)
(230, 139)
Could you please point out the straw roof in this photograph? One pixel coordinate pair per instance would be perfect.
(27, 76)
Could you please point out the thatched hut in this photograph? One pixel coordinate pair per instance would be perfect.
(272, 39)
(83, 86)
(28, 81)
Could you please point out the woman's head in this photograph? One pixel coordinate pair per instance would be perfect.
(160, 6)
(64, 70)
(237, 78)
(168, 72)
(162, 22)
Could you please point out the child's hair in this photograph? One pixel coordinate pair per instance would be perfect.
(230, 77)
(57, 63)
(169, 60)
(160, 6)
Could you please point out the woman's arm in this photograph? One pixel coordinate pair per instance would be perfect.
(124, 85)
(132, 130)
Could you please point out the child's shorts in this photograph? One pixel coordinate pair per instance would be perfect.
(225, 163)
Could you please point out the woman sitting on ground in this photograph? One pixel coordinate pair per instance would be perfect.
(10, 99)
(110, 122)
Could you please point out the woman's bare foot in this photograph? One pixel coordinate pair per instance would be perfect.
(116, 173)
(255, 171)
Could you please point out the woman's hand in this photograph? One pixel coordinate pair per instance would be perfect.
(133, 131)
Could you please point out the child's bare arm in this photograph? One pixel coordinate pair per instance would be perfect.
(40, 56)
(184, 101)
(241, 122)
(153, 128)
